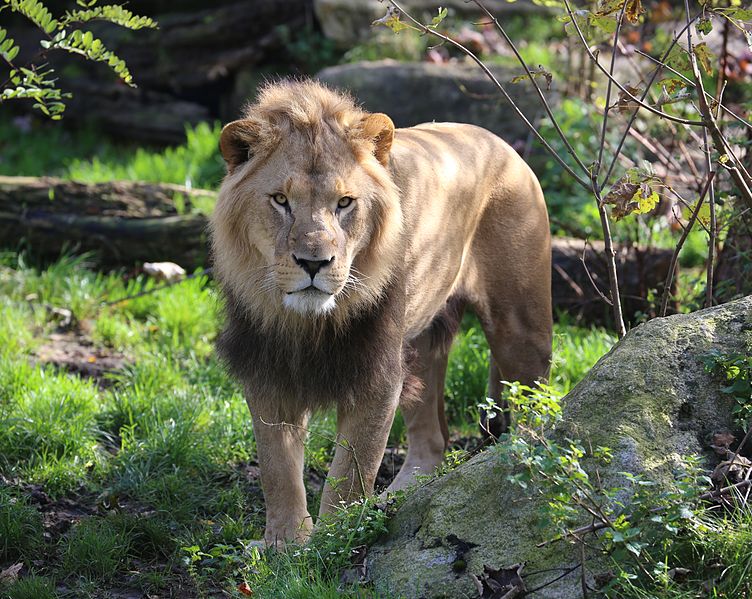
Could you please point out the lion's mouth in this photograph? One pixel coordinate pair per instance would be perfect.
(309, 300)
(310, 289)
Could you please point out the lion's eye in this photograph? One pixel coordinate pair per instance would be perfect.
(280, 199)
(345, 202)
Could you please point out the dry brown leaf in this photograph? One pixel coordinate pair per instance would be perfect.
(632, 10)
(245, 589)
(621, 197)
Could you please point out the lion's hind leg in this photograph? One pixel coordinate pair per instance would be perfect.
(427, 431)
(519, 335)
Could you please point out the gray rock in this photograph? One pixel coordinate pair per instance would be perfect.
(419, 92)
(649, 399)
(349, 21)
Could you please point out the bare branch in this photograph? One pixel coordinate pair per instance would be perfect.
(492, 77)
(618, 84)
(677, 249)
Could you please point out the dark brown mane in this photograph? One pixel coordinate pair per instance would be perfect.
(334, 366)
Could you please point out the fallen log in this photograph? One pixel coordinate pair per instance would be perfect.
(128, 223)
(122, 222)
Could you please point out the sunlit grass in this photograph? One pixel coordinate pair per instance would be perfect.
(88, 156)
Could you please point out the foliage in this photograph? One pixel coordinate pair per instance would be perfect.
(653, 108)
(736, 372)
(35, 80)
(664, 543)
(576, 349)
(196, 163)
(32, 587)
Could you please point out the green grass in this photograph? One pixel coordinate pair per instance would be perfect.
(95, 548)
(158, 451)
(32, 587)
(20, 528)
(49, 150)
(576, 350)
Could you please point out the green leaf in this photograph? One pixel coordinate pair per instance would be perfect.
(704, 26)
(539, 72)
(112, 14)
(392, 20)
(436, 21)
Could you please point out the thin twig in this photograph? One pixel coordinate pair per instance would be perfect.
(537, 88)
(712, 224)
(736, 169)
(346, 446)
(590, 278)
(618, 84)
(583, 573)
(675, 256)
(427, 30)
(636, 110)
(691, 83)
(607, 107)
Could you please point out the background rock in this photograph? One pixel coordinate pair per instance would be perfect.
(649, 399)
(349, 21)
(418, 92)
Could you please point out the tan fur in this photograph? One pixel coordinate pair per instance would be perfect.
(444, 215)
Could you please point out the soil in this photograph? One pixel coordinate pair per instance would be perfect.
(73, 351)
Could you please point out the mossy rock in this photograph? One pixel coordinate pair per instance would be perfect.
(650, 399)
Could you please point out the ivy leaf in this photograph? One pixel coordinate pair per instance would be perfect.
(646, 199)
(625, 103)
(704, 214)
(704, 26)
(605, 23)
(607, 7)
(678, 58)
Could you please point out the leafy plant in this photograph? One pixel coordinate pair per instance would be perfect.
(736, 372)
(36, 80)
(637, 535)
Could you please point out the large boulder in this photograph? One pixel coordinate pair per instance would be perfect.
(349, 21)
(418, 92)
(649, 399)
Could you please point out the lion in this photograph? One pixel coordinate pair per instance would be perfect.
(347, 251)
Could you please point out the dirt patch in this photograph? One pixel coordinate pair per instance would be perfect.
(75, 352)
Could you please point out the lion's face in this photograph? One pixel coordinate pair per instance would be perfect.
(307, 217)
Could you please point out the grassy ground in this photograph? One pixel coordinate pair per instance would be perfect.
(126, 453)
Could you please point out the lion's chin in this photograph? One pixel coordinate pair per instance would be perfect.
(310, 302)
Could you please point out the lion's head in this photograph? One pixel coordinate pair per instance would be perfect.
(308, 221)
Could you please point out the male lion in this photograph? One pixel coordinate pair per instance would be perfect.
(347, 251)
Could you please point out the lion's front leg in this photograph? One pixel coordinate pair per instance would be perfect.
(280, 449)
(362, 432)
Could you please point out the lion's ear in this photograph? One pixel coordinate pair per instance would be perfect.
(379, 128)
(237, 141)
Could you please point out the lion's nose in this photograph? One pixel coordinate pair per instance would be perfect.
(312, 266)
